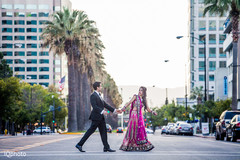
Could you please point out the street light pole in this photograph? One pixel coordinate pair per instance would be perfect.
(205, 68)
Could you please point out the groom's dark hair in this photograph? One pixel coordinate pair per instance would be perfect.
(96, 84)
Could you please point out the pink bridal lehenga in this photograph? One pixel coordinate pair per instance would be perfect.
(135, 138)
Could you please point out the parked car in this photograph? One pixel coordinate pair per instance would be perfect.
(44, 130)
(184, 128)
(225, 118)
(109, 128)
(171, 130)
(119, 130)
(149, 131)
(169, 126)
(233, 129)
(164, 129)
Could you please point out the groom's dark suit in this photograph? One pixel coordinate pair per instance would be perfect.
(98, 120)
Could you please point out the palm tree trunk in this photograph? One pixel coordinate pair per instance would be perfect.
(235, 16)
(72, 118)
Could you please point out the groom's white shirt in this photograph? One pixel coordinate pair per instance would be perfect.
(103, 100)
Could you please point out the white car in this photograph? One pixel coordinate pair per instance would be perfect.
(149, 131)
(44, 130)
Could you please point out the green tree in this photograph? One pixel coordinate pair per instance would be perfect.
(5, 70)
(233, 7)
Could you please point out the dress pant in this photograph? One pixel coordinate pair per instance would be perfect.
(101, 125)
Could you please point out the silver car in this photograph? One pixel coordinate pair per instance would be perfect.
(184, 128)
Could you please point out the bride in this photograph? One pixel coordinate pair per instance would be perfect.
(135, 138)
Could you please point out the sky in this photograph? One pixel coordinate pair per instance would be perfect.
(139, 35)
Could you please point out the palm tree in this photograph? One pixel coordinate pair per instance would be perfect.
(66, 34)
(233, 7)
(197, 93)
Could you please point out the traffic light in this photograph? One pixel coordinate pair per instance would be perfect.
(53, 121)
(108, 112)
(145, 120)
(55, 124)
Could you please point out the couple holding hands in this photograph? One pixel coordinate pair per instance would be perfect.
(135, 138)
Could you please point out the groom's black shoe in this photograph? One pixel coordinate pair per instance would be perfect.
(109, 150)
(79, 148)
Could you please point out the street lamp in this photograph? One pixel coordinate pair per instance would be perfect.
(205, 60)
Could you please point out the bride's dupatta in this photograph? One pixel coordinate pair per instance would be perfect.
(141, 132)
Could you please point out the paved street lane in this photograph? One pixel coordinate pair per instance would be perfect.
(166, 147)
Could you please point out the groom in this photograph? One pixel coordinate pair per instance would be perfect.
(98, 121)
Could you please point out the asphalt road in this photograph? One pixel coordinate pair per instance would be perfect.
(167, 147)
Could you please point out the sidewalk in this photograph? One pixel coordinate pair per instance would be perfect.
(205, 136)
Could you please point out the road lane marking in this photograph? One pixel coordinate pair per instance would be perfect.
(16, 149)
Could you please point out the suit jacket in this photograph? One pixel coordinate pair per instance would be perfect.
(98, 105)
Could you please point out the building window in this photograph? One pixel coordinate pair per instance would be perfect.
(7, 38)
(212, 38)
(44, 84)
(6, 45)
(212, 52)
(31, 29)
(40, 30)
(6, 6)
(9, 61)
(202, 26)
(201, 52)
(57, 8)
(19, 61)
(7, 53)
(212, 15)
(32, 69)
(31, 37)
(212, 25)
(19, 6)
(7, 14)
(212, 65)
(21, 30)
(6, 22)
(211, 77)
(222, 64)
(31, 14)
(201, 78)
(44, 61)
(19, 45)
(43, 54)
(202, 38)
(201, 66)
(43, 76)
(43, 69)
(7, 30)
(222, 38)
(19, 14)
(31, 61)
(19, 22)
(32, 45)
(32, 76)
(192, 76)
(31, 6)
(19, 53)
(221, 53)
(43, 14)
(200, 1)
(221, 25)
(41, 22)
(19, 69)
(57, 69)
(32, 83)
(200, 12)
(32, 22)
(31, 53)
(19, 37)
(43, 6)
(20, 76)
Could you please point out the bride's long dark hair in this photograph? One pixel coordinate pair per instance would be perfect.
(144, 96)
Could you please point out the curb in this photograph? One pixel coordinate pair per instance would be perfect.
(72, 133)
(204, 136)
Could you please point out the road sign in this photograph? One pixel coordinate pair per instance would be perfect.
(51, 108)
(190, 115)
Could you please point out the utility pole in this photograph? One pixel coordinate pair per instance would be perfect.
(53, 114)
(166, 102)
